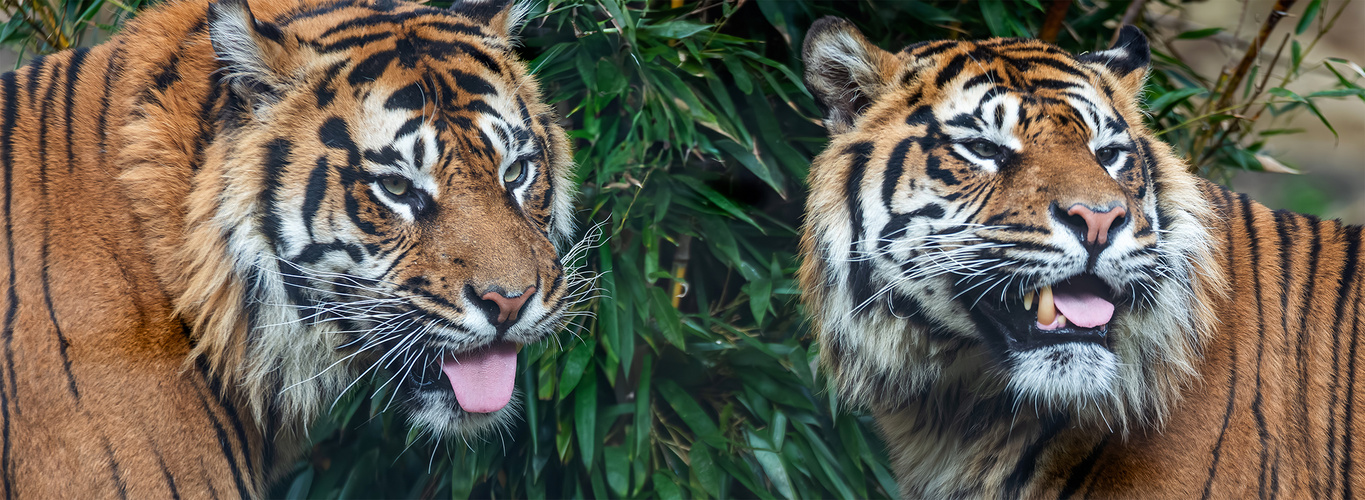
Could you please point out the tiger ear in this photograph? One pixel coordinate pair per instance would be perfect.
(844, 71)
(1127, 60)
(504, 16)
(253, 53)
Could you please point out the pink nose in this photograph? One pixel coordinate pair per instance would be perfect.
(1097, 224)
(508, 307)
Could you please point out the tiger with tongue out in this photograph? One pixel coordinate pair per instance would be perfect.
(1036, 299)
(223, 219)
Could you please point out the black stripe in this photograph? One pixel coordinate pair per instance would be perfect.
(1217, 451)
(860, 275)
(895, 166)
(35, 70)
(119, 485)
(1081, 471)
(101, 124)
(224, 445)
(314, 193)
(412, 97)
(445, 49)
(1347, 461)
(472, 84)
(230, 410)
(1306, 311)
(170, 480)
(364, 21)
(72, 79)
(1343, 293)
(350, 42)
(950, 70)
(1027, 466)
(326, 87)
(930, 49)
(1026, 63)
(10, 89)
(47, 213)
(312, 252)
(371, 67)
(169, 74)
(276, 161)
(1258, 296)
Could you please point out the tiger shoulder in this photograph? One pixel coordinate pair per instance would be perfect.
(230, 214)
(1035, 298)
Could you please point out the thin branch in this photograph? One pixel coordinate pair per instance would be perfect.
(1130, 16)
(1052, 22)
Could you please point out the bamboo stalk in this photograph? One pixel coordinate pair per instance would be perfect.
(680, 259)
(1052, 22)
(1227, 84)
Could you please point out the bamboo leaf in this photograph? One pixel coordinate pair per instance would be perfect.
(585, 419)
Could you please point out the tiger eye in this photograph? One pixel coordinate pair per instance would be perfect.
(396, 186)
(1107, 155)
(984, 149)
(513, 172)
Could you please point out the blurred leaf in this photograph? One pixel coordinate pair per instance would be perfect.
(691, 413)
(1199, 33)
(1310, 14)
(585, 419)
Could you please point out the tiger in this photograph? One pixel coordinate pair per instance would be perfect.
(1033, 297)
(229, 215)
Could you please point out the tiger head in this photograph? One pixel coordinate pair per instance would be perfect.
(993, 220)
(381, 198)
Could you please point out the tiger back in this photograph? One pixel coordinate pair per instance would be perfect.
(1035, 299)
(225, 217)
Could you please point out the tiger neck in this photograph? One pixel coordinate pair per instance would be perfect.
(954, 445)
(166, 143)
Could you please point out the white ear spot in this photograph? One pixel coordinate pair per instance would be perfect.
(841, 71)
(246, 47)
(233, 35)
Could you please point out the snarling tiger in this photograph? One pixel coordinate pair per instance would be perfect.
(1036, 300)
(220, 220)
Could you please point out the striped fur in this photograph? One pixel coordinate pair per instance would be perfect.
(1229, 367)
(199, 255)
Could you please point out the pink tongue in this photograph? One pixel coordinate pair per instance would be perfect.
(1082, 308)
(483, 379)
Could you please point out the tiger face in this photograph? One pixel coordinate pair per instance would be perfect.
(990, 217)
(389, 189)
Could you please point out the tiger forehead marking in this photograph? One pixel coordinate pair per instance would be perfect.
(995, 242)
(306, 194)
(1036, 299)
(412, 193)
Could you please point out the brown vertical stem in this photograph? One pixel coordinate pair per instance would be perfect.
(1130, 16)
(1277, 12)
(1228, 83)
(1052, 22)
(680, 258)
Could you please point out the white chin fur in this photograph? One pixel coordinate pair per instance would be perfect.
(438, 415)
(1064, 376)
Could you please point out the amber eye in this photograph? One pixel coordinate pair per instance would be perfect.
(1107, 155)
(984, 149)
(514, 172)
(396, 186)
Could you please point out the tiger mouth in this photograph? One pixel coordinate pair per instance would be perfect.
(478, 380)
(1076, 310)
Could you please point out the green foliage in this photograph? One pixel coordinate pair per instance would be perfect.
(693, 373)
(44, 26)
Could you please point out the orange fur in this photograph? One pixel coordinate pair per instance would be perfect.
(1228, 369)
(162, 190)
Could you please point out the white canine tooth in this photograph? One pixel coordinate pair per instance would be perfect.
(1028, 301)
(1047, 311)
